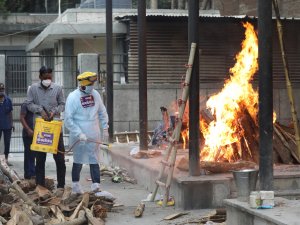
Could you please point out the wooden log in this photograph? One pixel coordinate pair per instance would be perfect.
(10, 173)
(78, 221)
(58, 213)
(20, 218)
(4, 188)
(84, 203)
(250, 131)
(99, 211)
(4, 209)
(2, 220)
(206, 115)
(216, 167)
(245, 152)
(92, 220)
(223, 167)
(138, 212)
(282, 150)
(42, 211)
(43, 192)
(289, 145)
(221, 211)
(66, 194)
(236, 148)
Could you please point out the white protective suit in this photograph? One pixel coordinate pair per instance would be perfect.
(83, 114)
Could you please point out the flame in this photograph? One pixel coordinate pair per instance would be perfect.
(225, 106)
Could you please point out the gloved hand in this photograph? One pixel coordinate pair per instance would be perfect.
(105, 135)
(44, 115)
(82, 137)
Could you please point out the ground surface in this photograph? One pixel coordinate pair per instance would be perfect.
(129, 195)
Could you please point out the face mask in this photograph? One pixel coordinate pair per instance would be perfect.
(89, 89)
(46, 83)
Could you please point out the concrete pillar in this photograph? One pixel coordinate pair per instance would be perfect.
(2, 69)
(69, 79)
(88, 62)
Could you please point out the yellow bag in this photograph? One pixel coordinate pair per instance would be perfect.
(46, 135)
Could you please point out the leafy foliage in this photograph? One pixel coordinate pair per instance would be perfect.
(2, 6)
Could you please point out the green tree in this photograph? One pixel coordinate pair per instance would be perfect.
(2, 6)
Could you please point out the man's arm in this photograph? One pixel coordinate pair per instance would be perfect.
(69, 116)
(25, 125)
(60, 103)
(32, 106)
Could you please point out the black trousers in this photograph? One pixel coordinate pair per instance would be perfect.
(7, 137)
(94, 171)
(29, 158)
(60, 165)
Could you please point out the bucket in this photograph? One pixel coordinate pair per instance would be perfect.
(245, 181)
(46, 135)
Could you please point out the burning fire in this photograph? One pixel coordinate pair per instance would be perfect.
(224, 132)
(225, 106)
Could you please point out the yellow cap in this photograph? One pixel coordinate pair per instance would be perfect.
(86, 78)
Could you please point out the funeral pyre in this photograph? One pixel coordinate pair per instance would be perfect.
(229, 124)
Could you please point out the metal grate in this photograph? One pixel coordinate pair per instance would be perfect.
(21, 71)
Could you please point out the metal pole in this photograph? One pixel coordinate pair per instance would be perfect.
(143, 98)
(59, 7)
(265, 94)
(193, 36)
(109, 69)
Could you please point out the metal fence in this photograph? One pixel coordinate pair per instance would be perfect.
(21, 71)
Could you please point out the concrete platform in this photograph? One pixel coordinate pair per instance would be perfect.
(199, 192)
(285, 212)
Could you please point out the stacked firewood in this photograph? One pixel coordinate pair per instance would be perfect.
(22, 203)
(284, 142)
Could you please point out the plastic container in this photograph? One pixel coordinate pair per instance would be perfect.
(245, 181)
(254, 199)
(46, 135)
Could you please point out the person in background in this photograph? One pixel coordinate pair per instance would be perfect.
(46, 99)
(84, 114)
(26, 118)
(6, 121)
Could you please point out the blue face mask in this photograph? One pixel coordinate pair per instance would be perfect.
(89, 89)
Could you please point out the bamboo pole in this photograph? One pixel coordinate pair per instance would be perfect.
(176, 134)
(287, 76)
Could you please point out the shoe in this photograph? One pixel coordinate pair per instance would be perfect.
(95, 187)
(76, 188)
(59, 192)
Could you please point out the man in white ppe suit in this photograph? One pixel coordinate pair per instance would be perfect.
(85, 113)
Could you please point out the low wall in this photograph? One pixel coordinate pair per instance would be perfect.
(126, 103)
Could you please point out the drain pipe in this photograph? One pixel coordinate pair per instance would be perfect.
(265, 94)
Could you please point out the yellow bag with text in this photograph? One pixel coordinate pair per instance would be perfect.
(46, 135)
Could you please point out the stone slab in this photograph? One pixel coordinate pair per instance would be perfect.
(195, 192)
(285, 212)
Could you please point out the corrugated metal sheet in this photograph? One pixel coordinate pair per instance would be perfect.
(219, 42)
